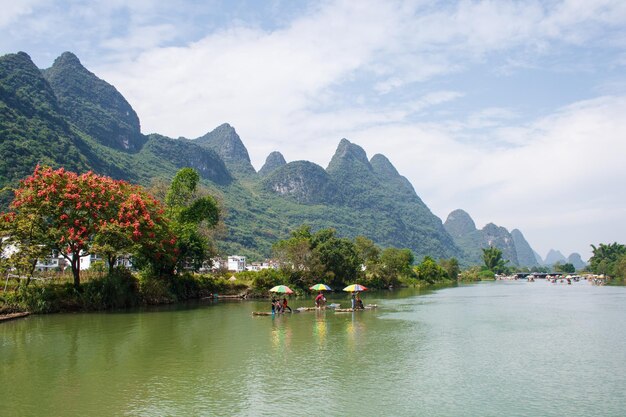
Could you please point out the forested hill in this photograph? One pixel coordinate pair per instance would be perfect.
(471, 240)
(67, 116)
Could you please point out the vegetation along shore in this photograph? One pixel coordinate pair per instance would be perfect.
(171, 242)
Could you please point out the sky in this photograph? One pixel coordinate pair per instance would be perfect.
(514, 111)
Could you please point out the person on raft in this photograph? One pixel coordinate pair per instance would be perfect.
(320, 300)
(359, 302)
(285, 306)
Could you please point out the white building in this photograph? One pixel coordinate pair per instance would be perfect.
(258, 266)
(51, 263)
(237, 263)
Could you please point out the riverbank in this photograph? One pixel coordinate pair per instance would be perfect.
(123, 289)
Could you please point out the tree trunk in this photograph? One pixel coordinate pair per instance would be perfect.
(75, 263)
(111, 259)
(31, 272)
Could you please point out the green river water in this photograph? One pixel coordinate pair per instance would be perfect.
(489, 349)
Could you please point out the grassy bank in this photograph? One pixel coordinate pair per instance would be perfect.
(121, 289)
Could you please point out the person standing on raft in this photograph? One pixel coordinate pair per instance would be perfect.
(285, 306)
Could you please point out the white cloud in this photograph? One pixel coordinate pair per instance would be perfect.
(253, 78)
(140, 38)
(14, 10)
(565, 177)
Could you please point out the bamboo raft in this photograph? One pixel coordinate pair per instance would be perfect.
(300, 309)
(269, 313)
(308, 308)
(349, 310)
(327, 307)
(13, 316)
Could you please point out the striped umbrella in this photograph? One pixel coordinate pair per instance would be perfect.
(355, 287)
(320, 287)
(283, 289)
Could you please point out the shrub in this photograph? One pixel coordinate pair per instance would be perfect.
(118, 290)
(155, 291)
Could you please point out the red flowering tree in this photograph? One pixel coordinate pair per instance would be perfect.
(143, 220)
(77, 214)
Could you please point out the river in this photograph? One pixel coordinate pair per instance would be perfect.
(487, 349)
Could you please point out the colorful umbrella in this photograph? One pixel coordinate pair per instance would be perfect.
(354, 288)
(320, 287)
(283, 289)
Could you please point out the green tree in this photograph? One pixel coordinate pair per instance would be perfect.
(429, 271)
(367, 251)
(23, 235)
(451, 266)
(6, 220)
(492, 257)
(395, 263)
(620, 269)
(296, 258)
(338, 257)
(306, 258)
(605, 258)
(192, 215)
(111, 241)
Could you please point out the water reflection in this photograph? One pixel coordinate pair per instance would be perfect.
(355, 329)
(281, 332)
(319, 327)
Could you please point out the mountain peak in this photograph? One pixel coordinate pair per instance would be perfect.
(383, 166)
(67, 58)
(302, 181)
(94, 105)
(348, 153)
(22, 85)
(225, 141)
(21, 59)
(273, 161)
(498, 236)
(23, 54)
(576, 260)
(225, 128)
(525, 254)
(459, 223)
(553, 257)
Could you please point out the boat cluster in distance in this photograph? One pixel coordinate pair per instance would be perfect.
(555, 277)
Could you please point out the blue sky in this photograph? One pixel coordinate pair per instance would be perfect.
(514, 111)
